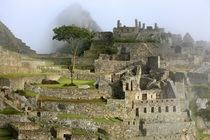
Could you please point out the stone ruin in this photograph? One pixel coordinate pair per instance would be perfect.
(148, 100)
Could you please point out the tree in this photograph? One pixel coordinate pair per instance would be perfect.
(73, 36)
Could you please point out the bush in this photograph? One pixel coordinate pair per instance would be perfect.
(128, 40)
(105, 49)
(204, 113)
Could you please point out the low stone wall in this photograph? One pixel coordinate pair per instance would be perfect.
(112, 65)
(78, 74)
(6, 119)
(19, 83)
(67, 93)
(84, 137)
(94, 110)
(198, 78)
(11, 62)
(85, 60)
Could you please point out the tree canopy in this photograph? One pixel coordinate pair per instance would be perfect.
(70, 33)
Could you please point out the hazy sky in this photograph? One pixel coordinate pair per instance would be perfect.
(30, 20)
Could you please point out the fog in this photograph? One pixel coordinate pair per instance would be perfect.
(72, 15)
(33, 21)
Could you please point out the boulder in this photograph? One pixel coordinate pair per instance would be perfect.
(202, 103)
(83, 86)
(200, 123)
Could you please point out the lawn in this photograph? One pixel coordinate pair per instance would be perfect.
(10, 111)
(203, 91)
(5, 133)
(17, 75)
(26, 93)
(59, 100)
(63, 81)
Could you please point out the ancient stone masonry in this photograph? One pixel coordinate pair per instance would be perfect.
(11, 62)
(135, 97)
(29, 131)
(138, 31)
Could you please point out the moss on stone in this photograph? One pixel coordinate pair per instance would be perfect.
(10, 111)
(26, 93)
(5, 132)
(77, 131)
(63, 81)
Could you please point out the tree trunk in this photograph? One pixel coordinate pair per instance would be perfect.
(73, 67)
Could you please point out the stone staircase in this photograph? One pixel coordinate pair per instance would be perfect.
(9, 103)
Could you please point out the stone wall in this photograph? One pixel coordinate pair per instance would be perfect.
(198, 78)
(78, 74)
(136, 51)
(69, 93)
(157, 129)
(153, 62)
(85, 60)
(112, 65)
(113, 108)
(11, 62)
(163, 103)
(6, 119)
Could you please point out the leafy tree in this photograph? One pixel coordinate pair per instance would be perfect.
(73, 36)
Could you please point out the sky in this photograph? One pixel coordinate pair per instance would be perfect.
(30, 20)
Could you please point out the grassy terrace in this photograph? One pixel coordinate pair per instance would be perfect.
(11, 76)
(101, 120)
(193, 108)
(202, 90)
(77, 131)
(75, 101)
(5, 134)
(26, 93)
(10, 111)
(63, 81)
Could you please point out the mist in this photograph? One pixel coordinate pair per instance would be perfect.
(72, 15)
(33, 21)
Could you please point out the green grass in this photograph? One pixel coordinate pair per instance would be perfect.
(5, 132)
(76, 101)
(63, 81)
(11, 76)
(72, 116)
(193, 108)
(10, 111)
(26, 93)
(6, 138)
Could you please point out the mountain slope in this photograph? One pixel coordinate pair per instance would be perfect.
(10, 42)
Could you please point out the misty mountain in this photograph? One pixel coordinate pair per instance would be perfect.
(73, 15)
(10, 42)
(76, 15)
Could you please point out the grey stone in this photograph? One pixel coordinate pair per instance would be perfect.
(83, 86)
